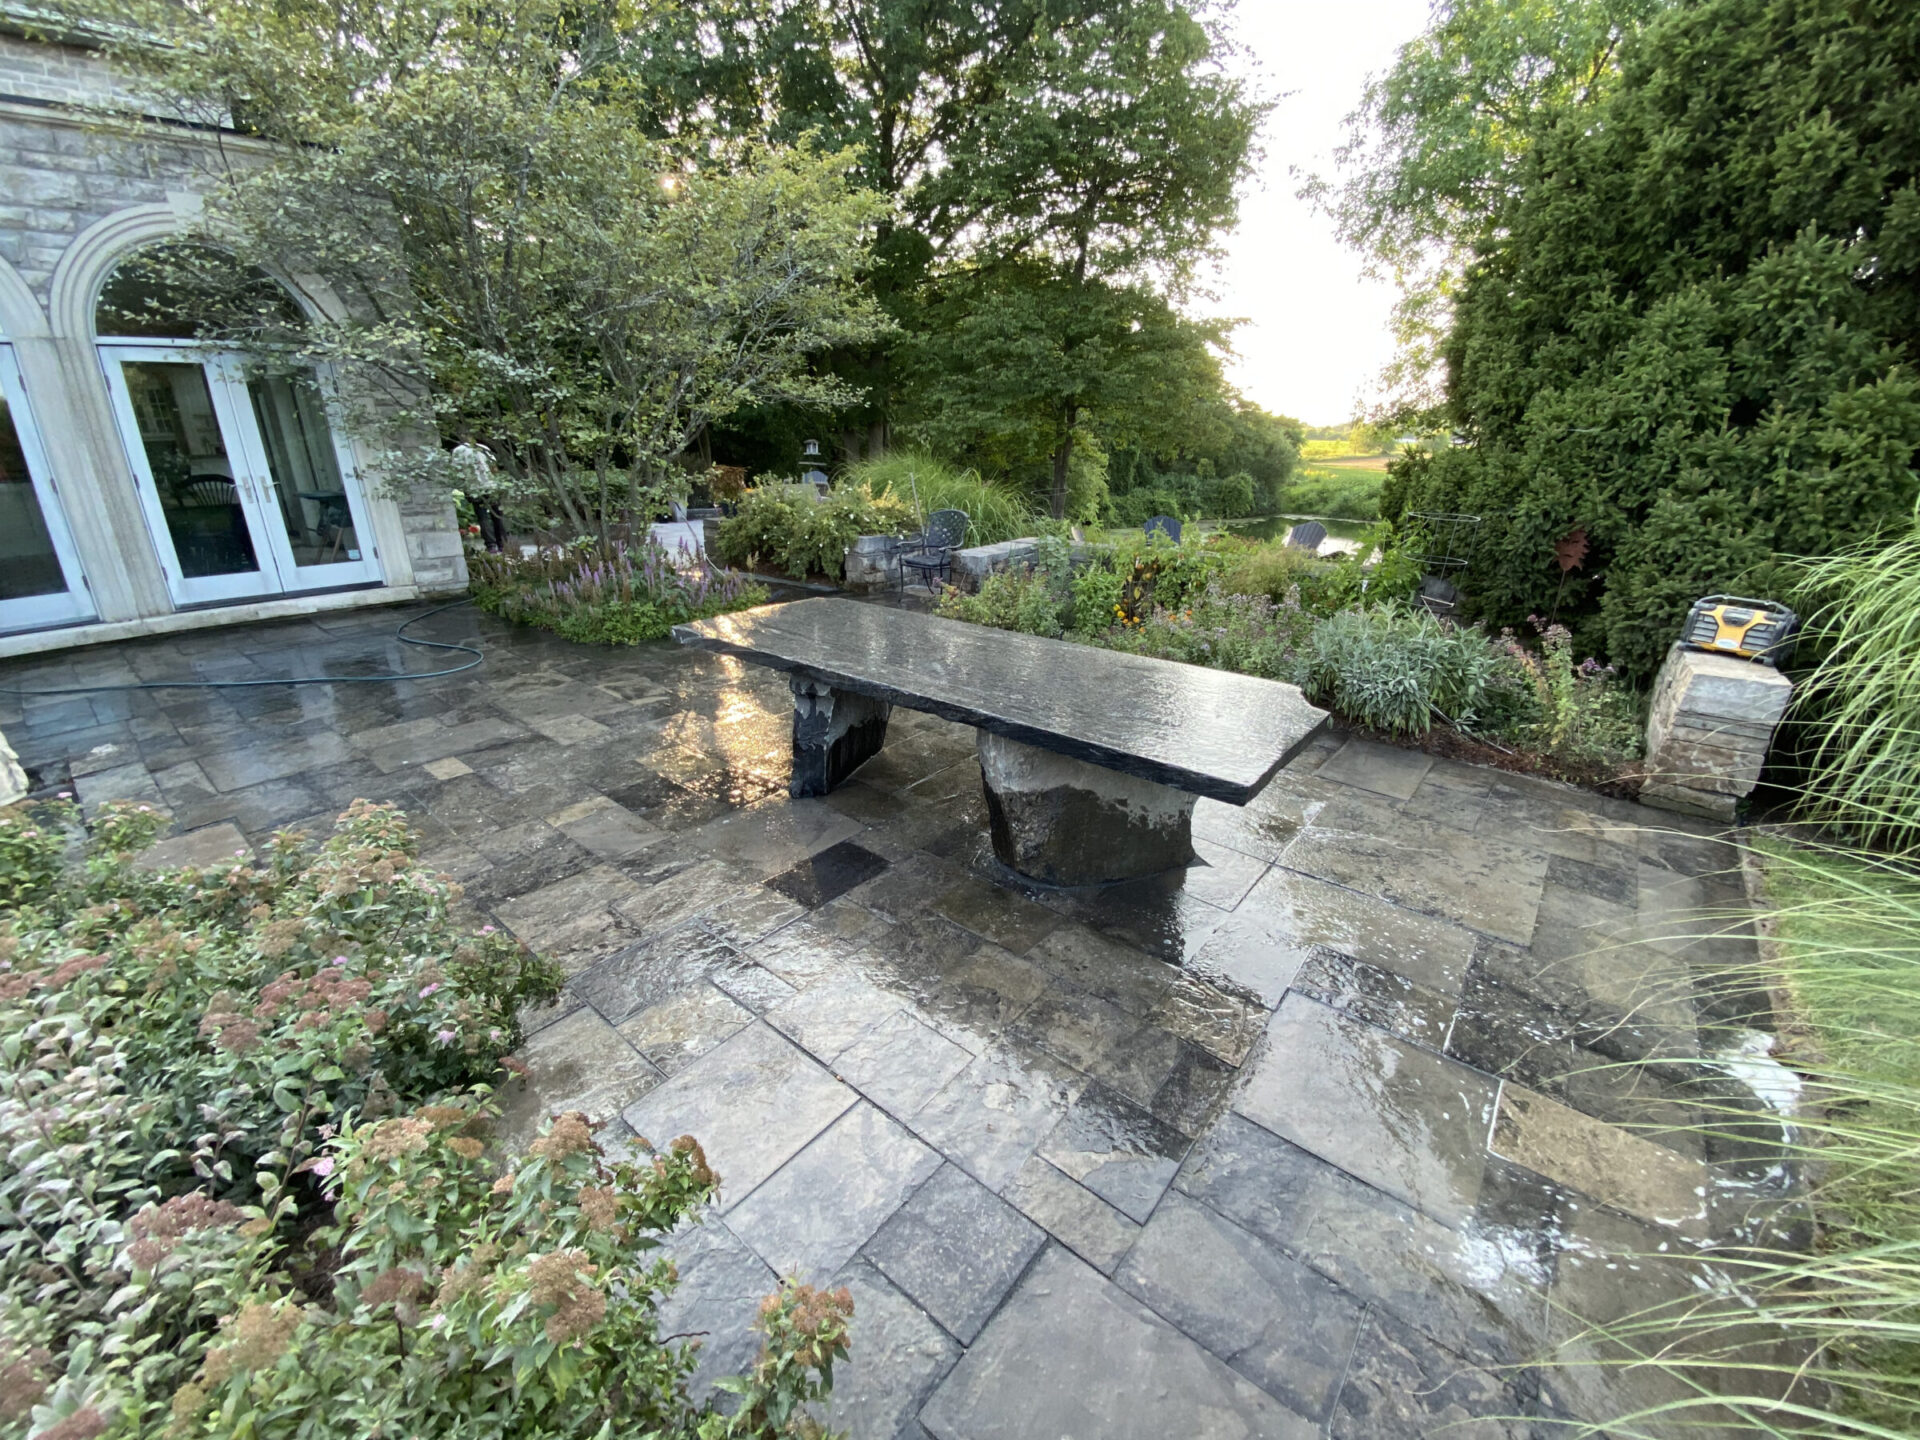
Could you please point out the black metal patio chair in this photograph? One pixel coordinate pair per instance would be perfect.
(929, 555)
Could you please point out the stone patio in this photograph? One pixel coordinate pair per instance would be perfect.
(1332, 1133)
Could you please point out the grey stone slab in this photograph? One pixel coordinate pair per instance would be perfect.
(765, 839)
(1474, 880)
(1379, 997)
(569, 920)
(722, 1283)
(830, 1016)
(237, 768)
(1212, 732)
(752, 916)
(1117, 1150)
(1211, 1018)
(208, 848)
(898, 1356)
(1383, 769)
(130, 782)
(1220, 875)
(678, 1030)
(753, 986)
(1402, 1386)
(1267, 825)
(900, 1064)
(1274, 1319)
(1622, 1170)
(753, 1102)
(1396, 1116)
(1104, 968)
(1259, 948)
(1480, 1290)
(607, 829)
(996, 913)
(956, 1248)
(1072, 1214)
(577, 1063)
(682, 893)
(993, 1115)
(815, 1212)
(981, 995)
(1071, 1355)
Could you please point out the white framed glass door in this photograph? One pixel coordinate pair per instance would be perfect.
(244, 488)
(40, 578)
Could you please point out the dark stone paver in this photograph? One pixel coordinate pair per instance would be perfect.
(1338, 1131)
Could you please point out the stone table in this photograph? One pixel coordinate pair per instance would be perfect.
(1091, 759)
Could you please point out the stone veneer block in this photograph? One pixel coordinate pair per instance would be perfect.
(971, 566)
(1708, 729)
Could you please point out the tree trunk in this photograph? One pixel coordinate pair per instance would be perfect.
(1060, 458)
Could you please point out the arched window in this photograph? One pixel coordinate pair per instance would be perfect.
(245, 489)
(186, 291)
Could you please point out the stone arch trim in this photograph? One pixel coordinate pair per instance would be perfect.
(21, 317)
(91, 258)
(93, 254)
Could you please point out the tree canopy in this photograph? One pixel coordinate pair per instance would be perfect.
(1693, 332)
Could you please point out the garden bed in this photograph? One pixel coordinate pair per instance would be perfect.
(617, 593)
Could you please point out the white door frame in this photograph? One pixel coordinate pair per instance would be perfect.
(278, 572)
(31, 612)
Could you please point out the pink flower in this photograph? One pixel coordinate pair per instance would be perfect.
(445, 1037)
(65, 795)
(486, 929)
(426, 990)
(339, 959)
(323, 1167)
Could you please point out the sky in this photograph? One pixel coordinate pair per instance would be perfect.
(1317, 330)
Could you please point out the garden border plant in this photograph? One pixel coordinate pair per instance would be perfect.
(249, 1187)
(617, 593)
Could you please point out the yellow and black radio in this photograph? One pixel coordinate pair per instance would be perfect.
(1751, 629)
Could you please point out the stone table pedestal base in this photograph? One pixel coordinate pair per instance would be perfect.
(1067, 822)
(834, 731)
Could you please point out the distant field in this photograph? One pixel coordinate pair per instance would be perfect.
(1347, 492)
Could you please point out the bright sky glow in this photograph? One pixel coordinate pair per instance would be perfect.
(1317, 332)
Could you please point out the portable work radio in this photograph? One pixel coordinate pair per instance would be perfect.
(1751, 629)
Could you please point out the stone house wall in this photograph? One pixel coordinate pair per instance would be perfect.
(76, 198)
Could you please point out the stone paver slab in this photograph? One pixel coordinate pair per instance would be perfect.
(1274, 1319)
(991, 1116)
(1072, 1214)
(1117, 1150)
(1402, 1386)
(206, 848)
(1474, 880)
(1071, 1355)
(1261, 946)
(677, 1031)
(753, 1102)
(956, 1248)
(1383, 769)
(1601, 1160)
(812, 1215)
(722, 1283)
(1391, 1114)
(577, 1063)
(901, 1064)
(898, 1356)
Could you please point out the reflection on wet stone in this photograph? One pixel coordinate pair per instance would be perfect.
(1117, 1150)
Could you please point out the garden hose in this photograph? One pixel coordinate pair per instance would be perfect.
(479, 656)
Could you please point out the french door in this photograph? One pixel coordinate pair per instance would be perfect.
(244, 488)
(40, 579)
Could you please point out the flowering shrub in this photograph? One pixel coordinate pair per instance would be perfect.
(794, 530)
(1581, 712)
(614, 595)
(226, 1210)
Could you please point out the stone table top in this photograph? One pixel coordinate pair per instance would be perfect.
(1212, 732)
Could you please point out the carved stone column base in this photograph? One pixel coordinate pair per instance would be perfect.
(834, 733)
(1067, 822)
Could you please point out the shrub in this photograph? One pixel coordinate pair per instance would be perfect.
(226, 1211)
(1278, 570)
(1225, 631)
(1580, 712)
(1395, 668)
(791, 528)
(915, 479)
(1230, 496)
(616, 594)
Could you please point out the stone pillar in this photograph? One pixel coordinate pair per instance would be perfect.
(870, 563)
(1708, 730)
(834, 732)
(1068, 822)
(13, 780)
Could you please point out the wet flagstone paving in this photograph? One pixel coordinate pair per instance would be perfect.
(1336, 1132)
